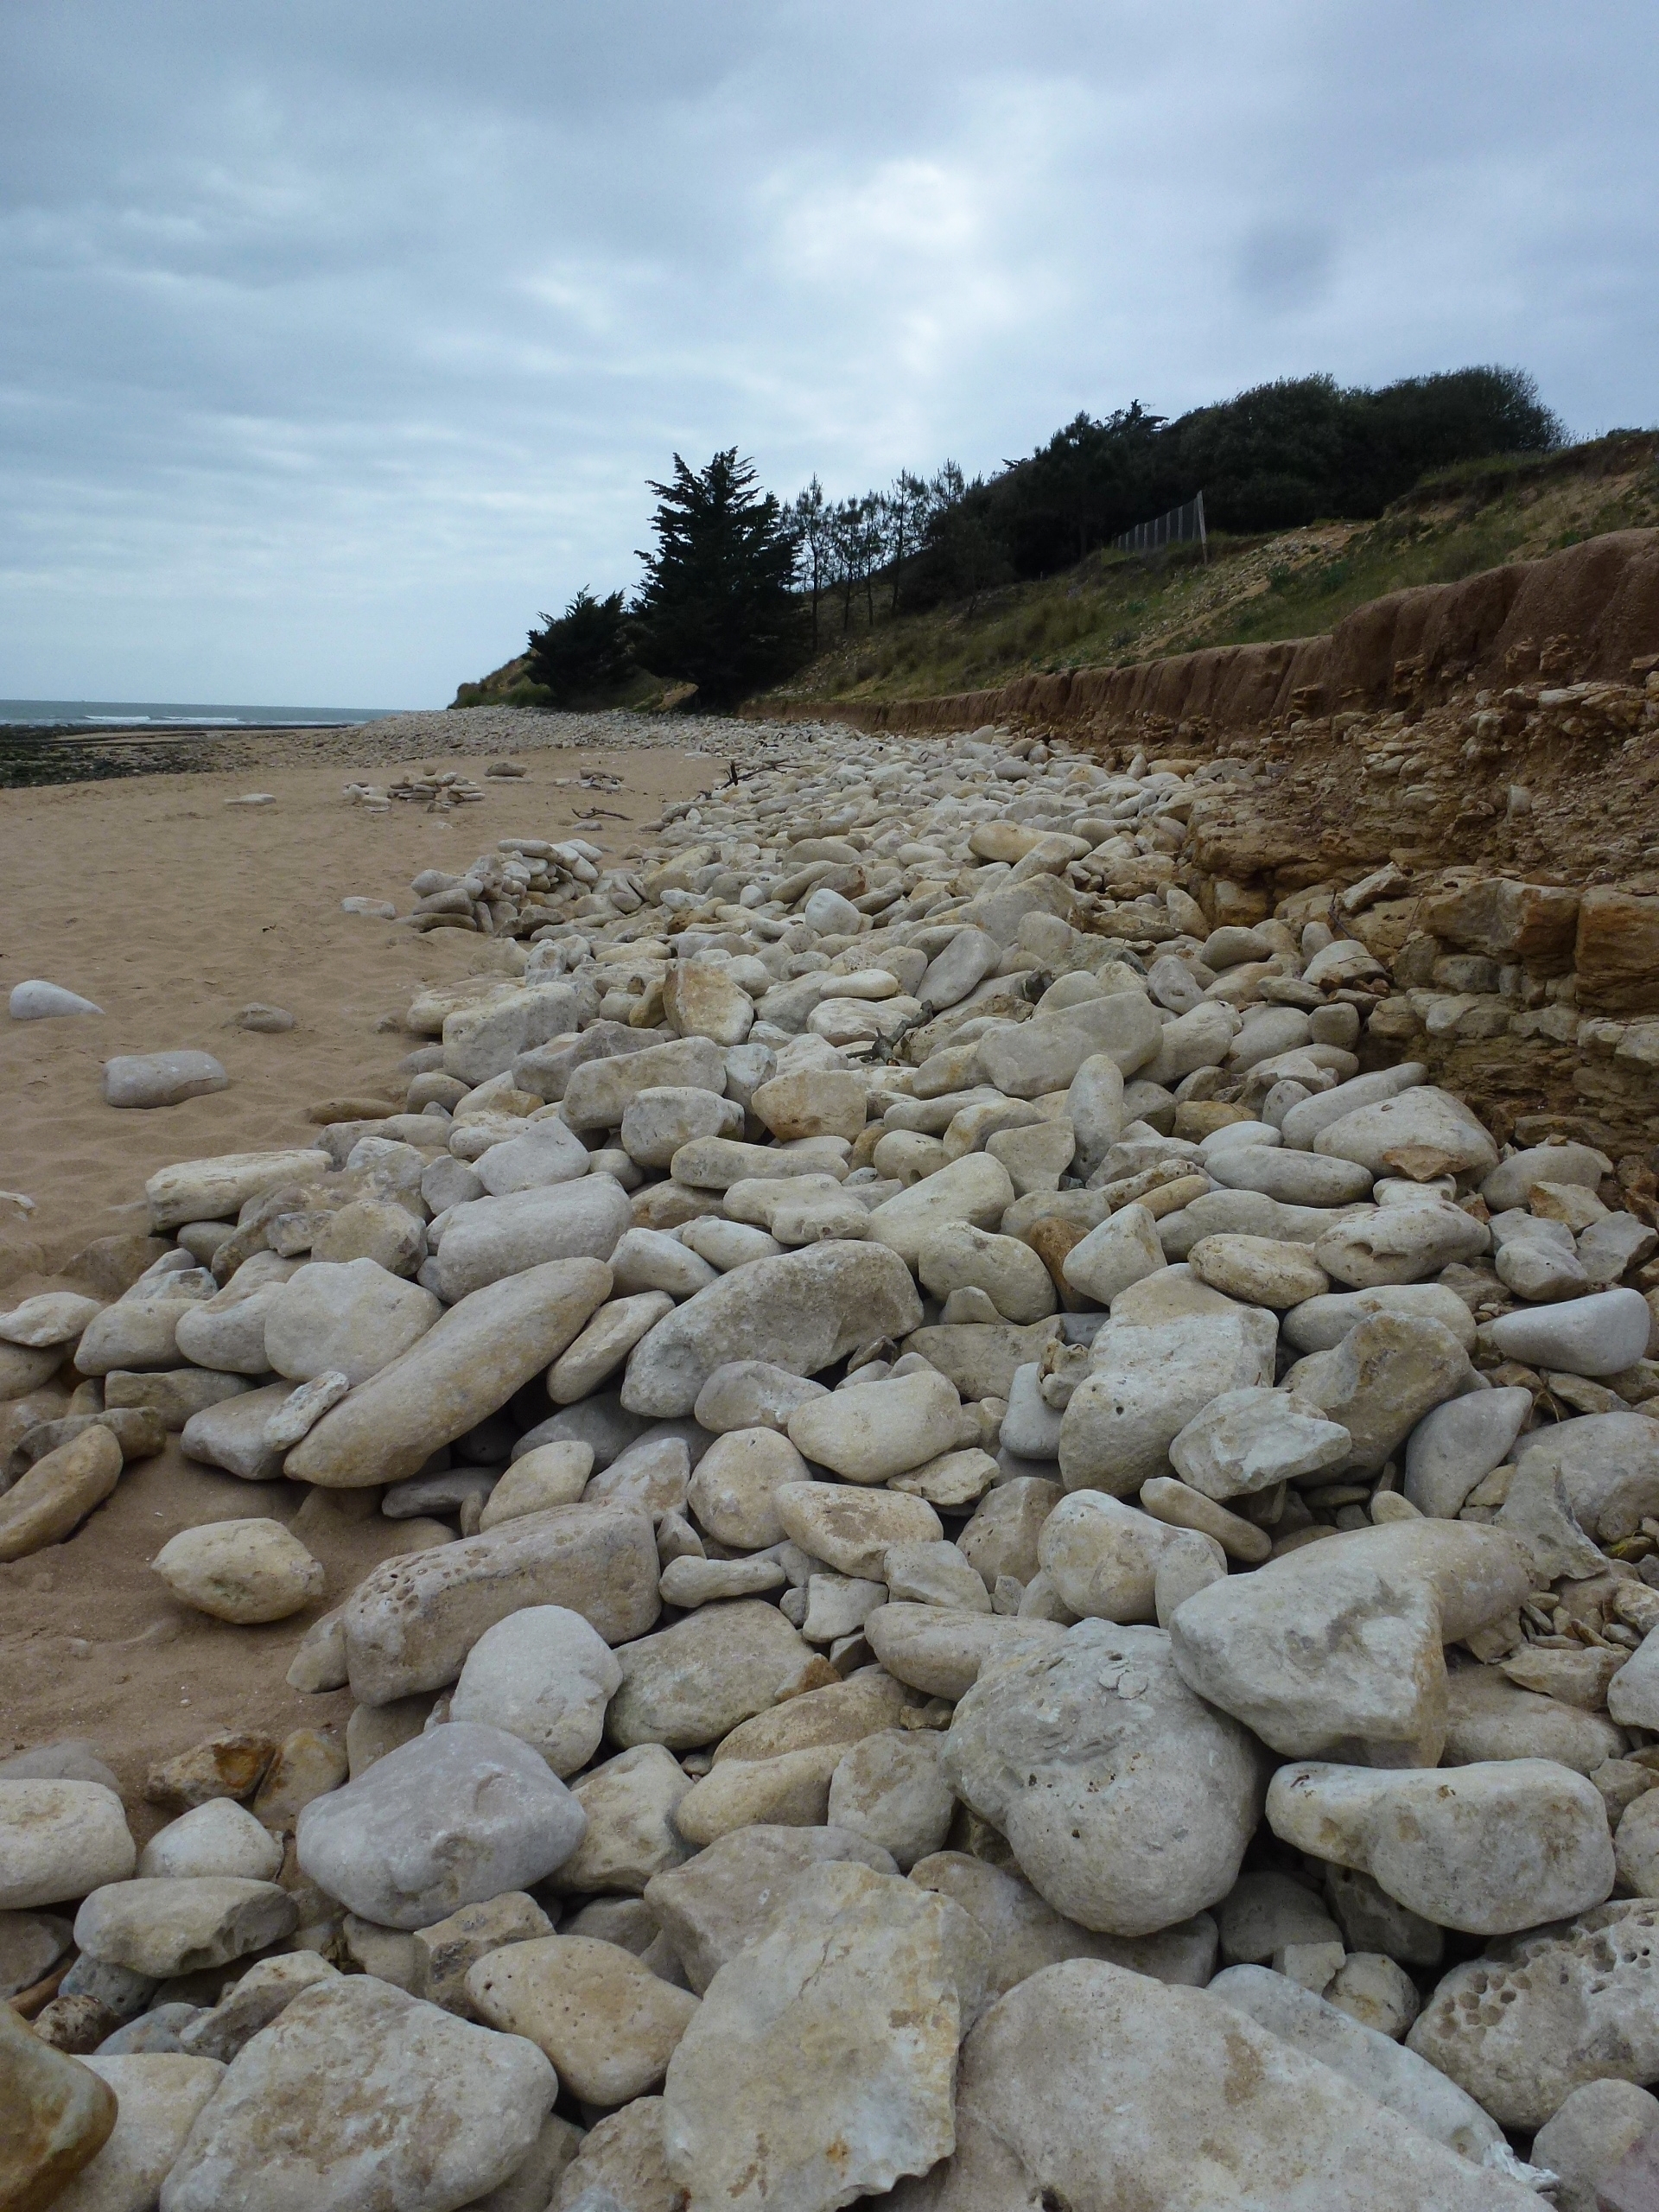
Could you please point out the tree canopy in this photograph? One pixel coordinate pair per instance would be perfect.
(735, 584)
(1274, 457)
(584, 654)
(718, 604)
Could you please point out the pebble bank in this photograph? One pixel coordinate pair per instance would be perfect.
(1031, 1565)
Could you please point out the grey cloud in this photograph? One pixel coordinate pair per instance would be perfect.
(1285, 265)
(340, 341)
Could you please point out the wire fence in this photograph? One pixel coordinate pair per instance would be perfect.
(1182, 525)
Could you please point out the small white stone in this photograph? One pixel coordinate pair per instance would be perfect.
(59, 1840)
(544, 1676)
(217, 1838)
(41, 1001)
(160, 1078)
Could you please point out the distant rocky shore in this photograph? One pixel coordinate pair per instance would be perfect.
(57, 756)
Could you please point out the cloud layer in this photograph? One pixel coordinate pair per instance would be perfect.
(340, 341)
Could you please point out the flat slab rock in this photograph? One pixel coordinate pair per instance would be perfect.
(213, 1189)
(461, 1371)
(410, 1625)
(820, 2064)
(168, 1925)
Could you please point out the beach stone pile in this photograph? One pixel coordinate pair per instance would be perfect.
(518, 888)
(438, 790)
(1036, 1575)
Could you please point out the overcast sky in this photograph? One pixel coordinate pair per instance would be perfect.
(336, 340)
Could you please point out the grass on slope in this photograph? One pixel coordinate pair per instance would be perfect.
(1113, 608)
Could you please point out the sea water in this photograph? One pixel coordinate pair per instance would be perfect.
(126, 713)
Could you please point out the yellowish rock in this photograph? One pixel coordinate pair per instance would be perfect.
(607, 2022)
(1261, 1270)
(869, 1432)
(242, 1571)
(701, 999)
(311, 1762)
(792, 1790)
(552, 1474)
(954, 1482)
(604, 1344)
(813, 1103)
(56, 2117)
(58, 1492)
(839, 1714)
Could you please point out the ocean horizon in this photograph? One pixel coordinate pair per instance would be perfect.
(94, 714)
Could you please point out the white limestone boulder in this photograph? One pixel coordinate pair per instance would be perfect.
(1487, 1848)
(1126, 1800)
(383, 2101)
(1098, 2088)
(449, 1819)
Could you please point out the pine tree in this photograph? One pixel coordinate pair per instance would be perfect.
(718, 604)
(906, 508)
(583, 654)
(809, 527)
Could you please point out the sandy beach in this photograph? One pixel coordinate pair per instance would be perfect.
(172, 909)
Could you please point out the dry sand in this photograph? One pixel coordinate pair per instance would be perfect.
(172, 910)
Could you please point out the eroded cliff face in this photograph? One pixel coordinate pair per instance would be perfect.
(1465, 776)
(1586, 613)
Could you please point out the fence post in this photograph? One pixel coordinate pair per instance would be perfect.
(1178, 526)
